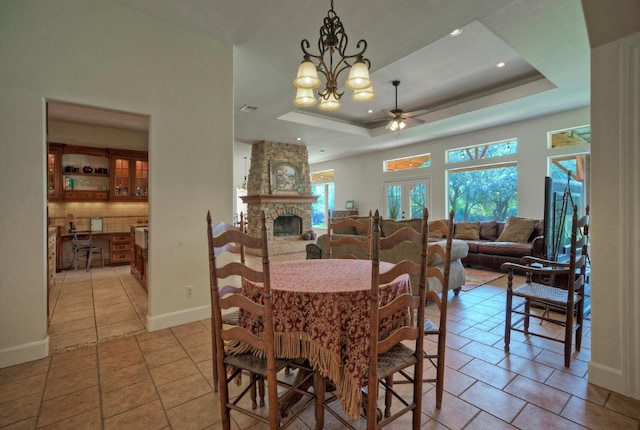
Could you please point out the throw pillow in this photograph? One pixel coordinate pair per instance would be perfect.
(489, 230)
(362, 231)
(467, 231)
(517, 230)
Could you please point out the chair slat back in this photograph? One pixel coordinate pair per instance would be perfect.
(363, 242)
(230, 238)
(412, 331)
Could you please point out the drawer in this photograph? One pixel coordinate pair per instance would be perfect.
(120, 247)
(88, 195)
(101, 195)
(121, 238)
(120, 257)
(70, 194)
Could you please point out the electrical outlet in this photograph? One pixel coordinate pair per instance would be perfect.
(188, 292)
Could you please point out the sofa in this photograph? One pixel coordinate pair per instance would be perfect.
(492, 243)
(405, 251)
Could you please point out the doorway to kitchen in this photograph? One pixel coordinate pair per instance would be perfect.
(97, 181)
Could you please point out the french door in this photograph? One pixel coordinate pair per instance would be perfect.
(405, 199)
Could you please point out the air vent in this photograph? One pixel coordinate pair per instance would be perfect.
(248, 108)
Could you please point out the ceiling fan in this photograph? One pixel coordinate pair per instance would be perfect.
(397, 118)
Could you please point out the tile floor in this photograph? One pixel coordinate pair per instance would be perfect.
(162, 380)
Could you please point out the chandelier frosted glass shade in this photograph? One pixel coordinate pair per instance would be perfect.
(307, 76)
(363, 95)
(358, 77)
(330, 103)
(304, 97)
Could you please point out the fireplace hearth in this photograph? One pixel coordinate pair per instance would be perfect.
(279, 184)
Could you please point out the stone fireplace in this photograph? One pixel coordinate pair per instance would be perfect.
(279, 184)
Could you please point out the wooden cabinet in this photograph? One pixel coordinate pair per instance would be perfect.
(130, 176)
(54, 170)
(121, 246)
(85, 173)
(52, 246)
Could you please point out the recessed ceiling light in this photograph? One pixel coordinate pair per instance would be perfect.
(370, 111)
(298, 139)
(501, 64)
(455, 32)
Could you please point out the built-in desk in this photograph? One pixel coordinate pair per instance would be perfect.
(117, 247)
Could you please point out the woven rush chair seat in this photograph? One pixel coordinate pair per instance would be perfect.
(544, 292)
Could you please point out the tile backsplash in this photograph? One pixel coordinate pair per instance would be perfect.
(115, 216)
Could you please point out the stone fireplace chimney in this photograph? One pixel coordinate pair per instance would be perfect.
(279, 183)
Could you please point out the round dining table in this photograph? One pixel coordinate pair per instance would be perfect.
(321, 313)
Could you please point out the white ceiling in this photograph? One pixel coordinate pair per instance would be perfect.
(543, 42)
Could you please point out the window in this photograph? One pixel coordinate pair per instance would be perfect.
(407, 163)
(482, 152)
(486, 188)
(405, 199)
(570, 137)
(322, 185)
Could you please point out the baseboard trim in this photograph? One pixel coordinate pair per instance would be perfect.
(606, 377)
(173, 319)
(24, 353)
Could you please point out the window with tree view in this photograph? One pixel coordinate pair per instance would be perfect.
(484, 188)
(322, 185)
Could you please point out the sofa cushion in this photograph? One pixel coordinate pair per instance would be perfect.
(511, 249)
(362, 231)
(438, 234)
(346, 229)
(467, 231)
(538, 230)
(517, 230)
(389, 226)
(489, 230)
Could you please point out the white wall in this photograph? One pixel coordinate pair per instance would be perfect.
(615, 333)
(99, 53)
(361, 178)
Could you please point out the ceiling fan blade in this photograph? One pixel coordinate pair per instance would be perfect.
(413, 121)
(414, 113)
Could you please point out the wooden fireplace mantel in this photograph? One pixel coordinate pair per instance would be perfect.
(278, 198)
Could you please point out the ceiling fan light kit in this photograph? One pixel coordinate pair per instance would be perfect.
(333, 40)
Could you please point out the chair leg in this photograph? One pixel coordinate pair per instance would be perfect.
(76, 257)
(89, 254)
(507, 321)
(568, 335)
(319, 388)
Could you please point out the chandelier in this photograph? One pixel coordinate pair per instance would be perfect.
(333, 41)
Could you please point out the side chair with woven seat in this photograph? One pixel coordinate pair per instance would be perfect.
(399, 350)
(551, 285)
(337, 240)
(247, 350)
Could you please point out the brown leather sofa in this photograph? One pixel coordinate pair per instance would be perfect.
(489, 252)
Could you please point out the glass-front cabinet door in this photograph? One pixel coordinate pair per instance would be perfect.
(54, 168)
(130, 177)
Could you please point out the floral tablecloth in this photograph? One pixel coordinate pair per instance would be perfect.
(321, 313)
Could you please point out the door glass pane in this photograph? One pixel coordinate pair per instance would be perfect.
(418, 193)
(394, 202)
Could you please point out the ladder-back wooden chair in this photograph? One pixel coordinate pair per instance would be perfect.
(336, 239)
(437, 330)
(553, 286)
(255, 354)
(388, 354)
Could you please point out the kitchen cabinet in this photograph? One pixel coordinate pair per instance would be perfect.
(52, 246)
(139, 237)
(85, 173)
(130, 176)
(121, 246)
(54, 171)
